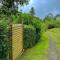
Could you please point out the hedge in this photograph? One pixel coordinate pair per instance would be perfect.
(3, 42)
(29, 36)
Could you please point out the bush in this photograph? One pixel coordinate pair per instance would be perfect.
(3, 42)
(29, 36)
(51, 26)
(37, 24)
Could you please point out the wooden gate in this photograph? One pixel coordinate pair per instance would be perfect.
(17, 41)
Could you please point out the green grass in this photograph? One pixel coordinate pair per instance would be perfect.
(38, 52)
(54, 31)
(58, 34)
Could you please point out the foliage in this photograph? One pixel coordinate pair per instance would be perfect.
(52, 22)
(26, 19)
(29, 36)
(23, 1)
(19, 18)
(57, 22)
(10, 6)
(3, 42)
(37, 24)
(38, 51)
(32, 11)
(15, 18)
(51, 26)
(33, 27)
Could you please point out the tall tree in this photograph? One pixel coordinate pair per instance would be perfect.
(49, 17)
(10, 4)
(32, 11)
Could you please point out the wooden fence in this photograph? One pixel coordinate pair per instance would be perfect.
(17, 41)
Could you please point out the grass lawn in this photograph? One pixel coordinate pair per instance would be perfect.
(38, 52)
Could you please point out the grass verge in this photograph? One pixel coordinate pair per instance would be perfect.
(38, 52)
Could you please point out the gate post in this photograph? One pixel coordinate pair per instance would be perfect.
(10, 42)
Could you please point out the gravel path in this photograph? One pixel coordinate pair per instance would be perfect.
(52, 54)
(57, 36)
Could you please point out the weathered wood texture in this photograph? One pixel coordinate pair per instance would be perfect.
(17, 40)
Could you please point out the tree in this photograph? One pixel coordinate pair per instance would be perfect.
(49, 17)
(23, 2)
(32, 11)
(58, 15)
(10, 4)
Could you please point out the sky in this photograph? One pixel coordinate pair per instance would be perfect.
(42, 7)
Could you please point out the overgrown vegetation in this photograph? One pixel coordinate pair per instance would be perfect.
(29, 36)
(33, 26)
(4, 42)
(38, 51)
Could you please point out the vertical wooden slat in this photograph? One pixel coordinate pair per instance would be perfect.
(10, 42)
(17, 40)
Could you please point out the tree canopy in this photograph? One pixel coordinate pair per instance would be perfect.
(32, 11)
(9, 5)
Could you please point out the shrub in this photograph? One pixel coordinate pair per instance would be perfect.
(37, 24)
(51, 26)
(3, 42)
(29, 36)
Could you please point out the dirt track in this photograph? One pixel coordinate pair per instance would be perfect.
(52, 53)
